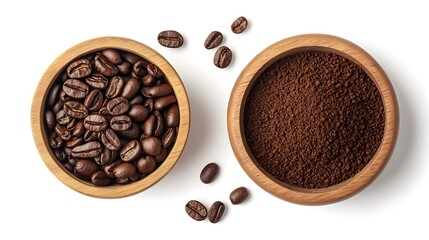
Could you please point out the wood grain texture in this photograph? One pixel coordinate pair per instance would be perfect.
(41, 140)
(279, 50)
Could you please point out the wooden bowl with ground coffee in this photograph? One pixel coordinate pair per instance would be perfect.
(313, 119)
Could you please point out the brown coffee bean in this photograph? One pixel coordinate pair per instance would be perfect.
(216, 212)
(118, 106)
(131, 88)
(149, 103)
(163, 102)
(62, 132)
(97, 80)
(170, 39)
(154, 71)
(115, 87)
(55, 141)
(124, 170)
(62, 117)
(169, 137)
(131, 57)
(239, 25)
(50, 119)
(53, 95)
(75, 109)
(105, 67)
(138, 113)
(213, 40)
(90, 136)
(75, 88)
(110, 140)
(74, 142)
(120, 123)
(148, 80)
(146, 164)
(133, 132)
(87, 150)
(57, 107)
(94, 100)
(139, 69)
(95, 122)
(196, 210)
(78, 130)
(112, 55)
(222, 57)
(157, 91)
(100, 178)
(108, 169)
(151, 146)
(124, 68)
(209, 172)
(79, 69)
(69, 167)
(162, 156)
(172, 117)
(238, 195)
(84, 169)
(130, 151)
(106, 157)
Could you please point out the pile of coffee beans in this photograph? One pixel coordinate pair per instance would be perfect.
(111, 117)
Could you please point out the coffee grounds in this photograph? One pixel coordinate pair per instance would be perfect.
(313, 119)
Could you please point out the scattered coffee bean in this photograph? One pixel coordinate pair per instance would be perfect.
(196, 210)
(209, 173)
(222, 57)
(238, 195)
(216, 212)
(213, 40)
(170, 39)
(239, 25)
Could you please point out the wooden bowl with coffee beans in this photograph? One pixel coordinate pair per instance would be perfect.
(110, 117)
(313, 119)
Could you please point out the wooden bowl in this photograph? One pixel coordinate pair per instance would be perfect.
(261, 62)
(40, 137)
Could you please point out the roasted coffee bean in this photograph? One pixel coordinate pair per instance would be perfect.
(87, 150)
(222, 57)
(151, 146)
(68, 167)
(62, 132)
(157, 91)
(94, 100)
(137, 100)
(62, 118)
(163, 102)
(75, 109)
(55, 141)
(168, 137)
(130, 151)
(106, 157)
(238, 195)
(148, 80)
(213, 40)
(74, 142)
(139, 68)
(154, 125)
(95, 123)
(209, 173)
(53, 95)
(138, 113)
(146, 164)
(216, 212)
(79, 69)
(71, 124)
(124, 170)
(153, 70)
(170, 39)
(162, 156)
(196, 210)
(131, 57)
(64, 97)
(84, 169)
(72, 161)
(78, 130)
(172, 116)
(105, 67)
(112, 55)
(67, 151)
(100, 178)
(57, 107)
(75, 88)
(239, 25)
(131, 88)
(61, 155)
(110, 140)
(97, 80)
(50, 119)
(149, 103)
(109, 168)
(89, 136)
(124, 68)
(118, 106)
(115, 87)
(132, 133)
(120, 123)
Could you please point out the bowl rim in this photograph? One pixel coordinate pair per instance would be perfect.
(280, 49)
(40, 95)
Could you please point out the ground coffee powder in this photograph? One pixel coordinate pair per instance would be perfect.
(313, 119)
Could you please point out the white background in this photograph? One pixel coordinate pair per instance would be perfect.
(34, 204)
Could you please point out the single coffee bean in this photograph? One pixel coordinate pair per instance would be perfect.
(67, 151)
(55, 141)
(124, 170)
(100, 178)
(146, 164)
(105, 67)
(62, 118)
(209, 173)
(154, 71)
(169, 137)
(79, 69)
(64, 97)
(148, 80)
(157, 91)
(62, 132)
(139, 68)
(84, 169)
(57, 107)
(238, 195)
(109, 168)
(159, 124)
(97, 80)
(172, 116)
(196, 210)
(138, 113)
(71, 124)
(131, 57)
(239, 25)
(170, 39)
(115, 87)
(94, 100)
(112, 55)
(53, 95)
(163, 102)
(137, 100)
(87, 150)
(75, 88)
(132, 133)
(222, 57)
(74, 142)
(213, 40)
(50, 119)
(90, 136)
(78, 130)
(162, 156)
(216, 212)
(95, 122)
(61, 155)
(75, 109)
(151, 146)
(118, 106)
(149, 103)
(124, 68)
(106, 157)
(130, 151)
(120, 123)
(131, 88)
(154, 125)
(72, 161)
(110, 140)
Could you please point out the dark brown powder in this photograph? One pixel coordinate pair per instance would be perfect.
(313, 119)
